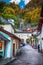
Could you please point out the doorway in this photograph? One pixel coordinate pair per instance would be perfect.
(13, 50)
(5, 48)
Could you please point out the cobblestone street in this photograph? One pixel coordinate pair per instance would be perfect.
(29, 56)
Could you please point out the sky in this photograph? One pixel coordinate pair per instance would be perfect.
(21, 3)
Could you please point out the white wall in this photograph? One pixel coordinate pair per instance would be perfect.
(42, 37)
(8, 49)
(8, 27)
(23, 35)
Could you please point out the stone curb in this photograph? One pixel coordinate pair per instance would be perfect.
(10, 61)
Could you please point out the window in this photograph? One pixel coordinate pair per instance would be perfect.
(0, 45)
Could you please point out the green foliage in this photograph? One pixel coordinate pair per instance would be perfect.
(30, 14)
(15, 7)
(2, 5)
(9, 11)
(16, 21)
(1, 23)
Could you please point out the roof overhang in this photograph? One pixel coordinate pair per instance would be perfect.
(10, 34)
(3, 38)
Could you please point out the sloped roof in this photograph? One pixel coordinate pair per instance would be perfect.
(9, 21)
(17, 30)
(10, 34)
(28, 30)
(3, 38)
(29, 26)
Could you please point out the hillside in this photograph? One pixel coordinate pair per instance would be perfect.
(34, 3)
(10, 11)
(30, 14)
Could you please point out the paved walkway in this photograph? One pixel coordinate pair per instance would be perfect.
(5, 61)
(29, 56)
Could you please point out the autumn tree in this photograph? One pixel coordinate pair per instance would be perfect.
(8, 13)
(35, 16)
(2, 4)
(15, 7)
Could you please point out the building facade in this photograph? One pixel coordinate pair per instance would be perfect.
(23, 35)
(10, 44)
(40, 28)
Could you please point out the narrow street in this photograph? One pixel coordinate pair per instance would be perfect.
(29, 56)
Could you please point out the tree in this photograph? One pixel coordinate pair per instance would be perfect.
(2, 4)
(1, 23)
(15, 7)
(16, 21)
(35, 16)
(27, 17)
(8, 13)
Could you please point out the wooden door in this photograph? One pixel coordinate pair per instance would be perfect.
(5, 48)
(13, 49)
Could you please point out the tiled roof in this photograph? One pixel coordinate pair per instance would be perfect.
(28, 30)
(29, 26)
(17, 30)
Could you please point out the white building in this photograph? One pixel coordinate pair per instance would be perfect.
(8, 26)
(23, 35)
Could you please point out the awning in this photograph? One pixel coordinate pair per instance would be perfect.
(2, 37)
